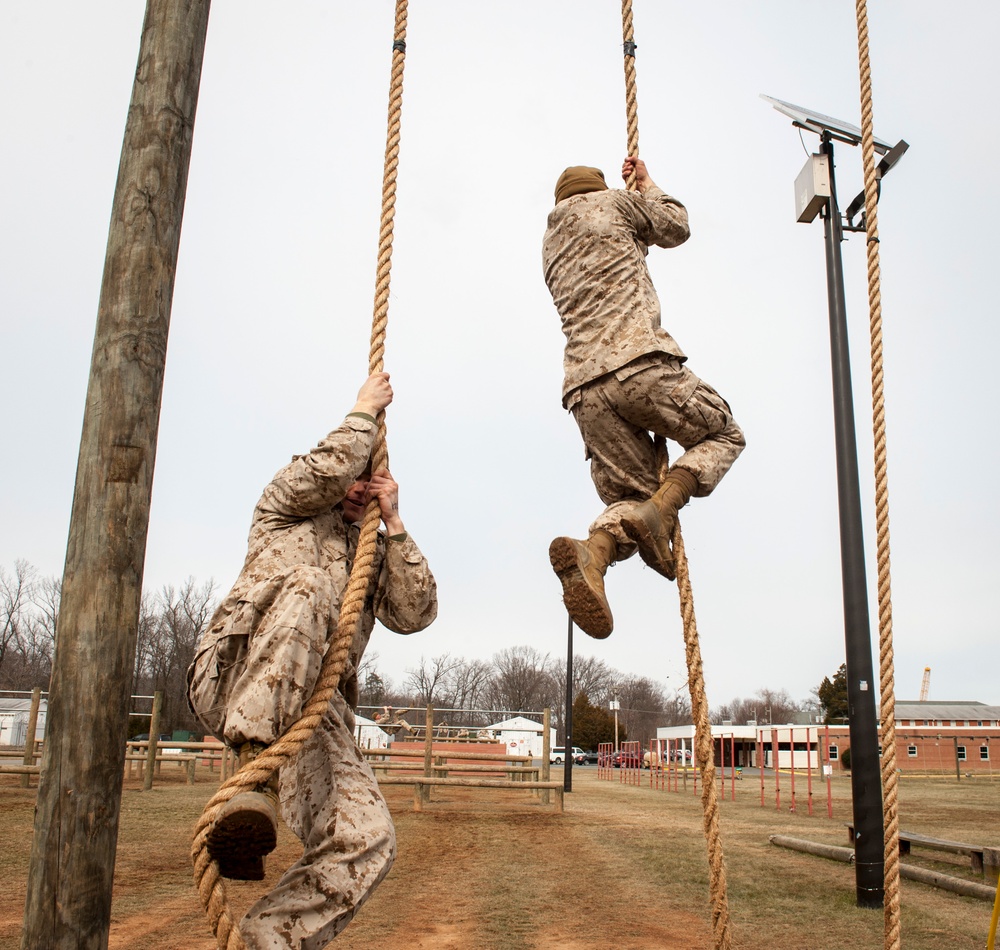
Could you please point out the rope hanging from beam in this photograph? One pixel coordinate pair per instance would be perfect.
(887, 708)
(721, 930)
(211, 886)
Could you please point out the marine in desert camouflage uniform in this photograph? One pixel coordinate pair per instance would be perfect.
(625, 378)
(258, 664)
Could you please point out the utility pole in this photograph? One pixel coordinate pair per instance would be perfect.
(71, 869)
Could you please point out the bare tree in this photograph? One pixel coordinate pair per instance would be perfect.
(470, 680)
(522, 679)
(431, 683)
(593, 677)
(765, 707)
(643, 703)
(16, 592)
(170, 624)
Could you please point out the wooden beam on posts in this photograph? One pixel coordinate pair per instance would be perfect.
(71, 870)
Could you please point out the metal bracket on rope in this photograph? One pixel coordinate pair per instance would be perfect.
(630, 47)
(399, 45)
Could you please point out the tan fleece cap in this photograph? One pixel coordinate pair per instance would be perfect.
(579, 180)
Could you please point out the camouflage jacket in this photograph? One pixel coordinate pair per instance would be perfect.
(594, 260)
(296, 522)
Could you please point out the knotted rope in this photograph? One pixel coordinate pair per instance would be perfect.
(211, 886)
(721, 930)
(890, 810)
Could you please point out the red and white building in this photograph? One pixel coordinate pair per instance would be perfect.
(931, 737)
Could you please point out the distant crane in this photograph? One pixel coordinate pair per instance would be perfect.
(925, 686)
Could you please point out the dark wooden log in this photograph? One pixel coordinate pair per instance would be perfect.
(71, 869)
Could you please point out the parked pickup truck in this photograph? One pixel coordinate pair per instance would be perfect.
(558, 755)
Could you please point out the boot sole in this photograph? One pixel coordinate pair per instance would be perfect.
(588, 610)
(240, 837)
(638, 531)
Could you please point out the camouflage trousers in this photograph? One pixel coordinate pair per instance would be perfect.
(249, 681)
(619, 413)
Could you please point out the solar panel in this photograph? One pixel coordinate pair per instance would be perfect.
(819, 123)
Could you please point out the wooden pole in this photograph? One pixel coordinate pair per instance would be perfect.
(546, 749)
(29, 735)
(428, 750)
(154, 736)
(71, 869)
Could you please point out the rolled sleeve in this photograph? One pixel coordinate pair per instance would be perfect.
(408, 591)
(320, 479)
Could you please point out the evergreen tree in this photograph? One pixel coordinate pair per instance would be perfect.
(833, 696)
(592, 724)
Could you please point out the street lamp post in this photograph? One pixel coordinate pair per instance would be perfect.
(816, 193)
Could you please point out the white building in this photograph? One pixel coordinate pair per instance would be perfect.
(521, 736)
(784, 747)
(14, 720)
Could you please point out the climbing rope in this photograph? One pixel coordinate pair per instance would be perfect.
(211, 886)
(890, 809)
(704, 746)
(994, 918)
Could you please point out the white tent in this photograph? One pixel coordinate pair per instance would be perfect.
(522, 736)
(369, 735)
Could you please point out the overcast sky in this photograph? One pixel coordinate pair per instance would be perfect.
(273, 303)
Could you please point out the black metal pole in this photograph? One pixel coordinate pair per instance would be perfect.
(568, 757)
(866, 781)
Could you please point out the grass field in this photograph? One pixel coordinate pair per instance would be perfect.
(624, 867)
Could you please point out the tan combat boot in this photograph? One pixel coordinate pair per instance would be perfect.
(581, 566)
(651, 524)
(246, 827)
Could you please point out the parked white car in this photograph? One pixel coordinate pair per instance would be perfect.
(558, 755)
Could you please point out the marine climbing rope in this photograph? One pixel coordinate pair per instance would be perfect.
(211, 886)
(887, 705)
(721, 930)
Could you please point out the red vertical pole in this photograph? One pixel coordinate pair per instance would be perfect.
(809, 770)
(829, 771)
(777, 770)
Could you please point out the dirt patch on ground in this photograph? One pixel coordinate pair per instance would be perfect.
(486, 869)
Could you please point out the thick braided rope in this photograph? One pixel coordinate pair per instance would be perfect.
(631, 105)
(721, 929)
(890, 810)
(211, 886)
(696, 682)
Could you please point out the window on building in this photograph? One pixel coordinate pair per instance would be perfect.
(911, 751)
(833, 753)
(960, 752)
(984, 753)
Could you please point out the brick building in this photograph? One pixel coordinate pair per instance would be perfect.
(959, 737)
(931, 738)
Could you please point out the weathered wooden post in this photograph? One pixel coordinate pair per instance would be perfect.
(29, 735)
(71, 869)
(425, 790)
(546, 750)
(154, 740)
